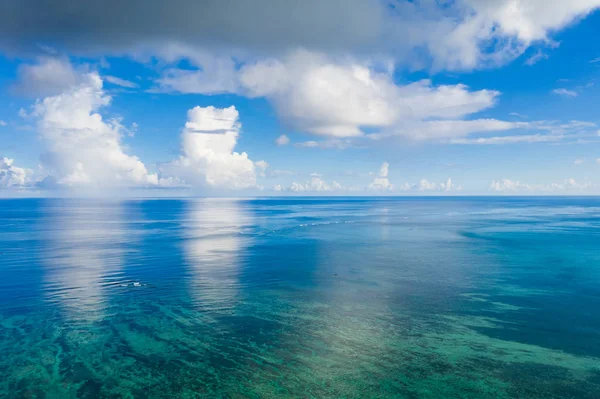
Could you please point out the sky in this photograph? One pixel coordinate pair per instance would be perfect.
(342, 97)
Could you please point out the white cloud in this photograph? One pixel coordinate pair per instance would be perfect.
(338, 98)
(510, 186)
(518, 115)
(551, 132)
(2, 123)
(449, 186)
(343, 97)
(120, 82)
(261, 167)
(507, 185)
(535, 58)
(432, 130)
(492, 32)
(425, 185)
(282, 140)
(334, 97)
(49, 76)
(384, 170)
(315, 184)
(12, 176)
(381, 182)
(565, 92)
(215, 74)
(579, 161)
(83, 148)
(454, 132)
(133, 129)
(338, 144)
(209, 160)
(595, 60)
(598, 161)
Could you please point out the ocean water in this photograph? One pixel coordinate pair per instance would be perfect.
(300, 298)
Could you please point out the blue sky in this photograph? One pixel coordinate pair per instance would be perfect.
(373, 98)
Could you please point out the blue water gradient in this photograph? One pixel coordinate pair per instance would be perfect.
(300, 298)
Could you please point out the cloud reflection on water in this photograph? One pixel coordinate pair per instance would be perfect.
(83, 253)
(214, 249)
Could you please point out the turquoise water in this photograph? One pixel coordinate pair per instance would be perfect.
(300, 298)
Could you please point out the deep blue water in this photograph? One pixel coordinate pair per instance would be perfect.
(300, 298)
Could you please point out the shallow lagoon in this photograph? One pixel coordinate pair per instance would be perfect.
(300, 298)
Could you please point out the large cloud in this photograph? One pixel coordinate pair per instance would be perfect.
(208, 158)
(84, 149)
(338, 97)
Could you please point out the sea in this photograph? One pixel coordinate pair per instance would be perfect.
(332, 297)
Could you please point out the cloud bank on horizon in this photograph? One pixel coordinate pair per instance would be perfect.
(355, 97)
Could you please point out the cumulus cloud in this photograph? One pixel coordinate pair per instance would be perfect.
(381, 182)
(339, 98)
(208, 158)
(512, 186)
(84, 149)
(315, 184)
(425, 185)
(449, 186)
(343, 99)
(282, 140)
(12, 176)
